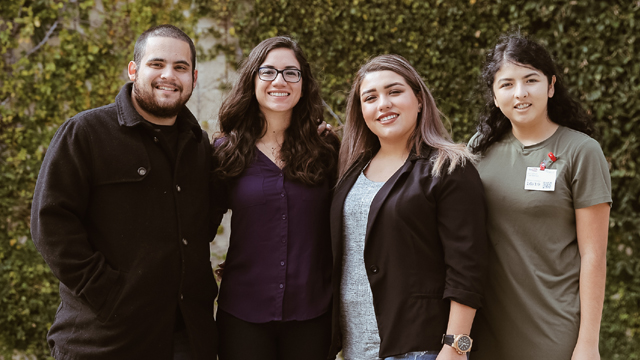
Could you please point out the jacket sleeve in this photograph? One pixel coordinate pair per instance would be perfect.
(59, 218)
(219, 191)
(461, 214)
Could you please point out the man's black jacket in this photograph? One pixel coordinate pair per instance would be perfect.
(125, 227)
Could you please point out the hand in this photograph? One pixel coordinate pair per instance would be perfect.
(449, 353)
(324, 129)
(581, 352)
(218, 271)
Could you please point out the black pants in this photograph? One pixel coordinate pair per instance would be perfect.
(181, 346)
(275, 340)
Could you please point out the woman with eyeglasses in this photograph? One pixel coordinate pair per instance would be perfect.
(275, 172)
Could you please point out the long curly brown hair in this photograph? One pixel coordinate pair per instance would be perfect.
(308, 157)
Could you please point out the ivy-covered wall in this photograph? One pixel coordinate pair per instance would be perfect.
(594, 42)
(60, 57)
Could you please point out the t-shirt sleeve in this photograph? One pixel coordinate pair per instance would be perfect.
(590, 180)
(475, 139)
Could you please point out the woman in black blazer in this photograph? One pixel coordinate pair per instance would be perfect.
(407, 224)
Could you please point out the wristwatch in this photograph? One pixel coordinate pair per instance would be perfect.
(460, 343)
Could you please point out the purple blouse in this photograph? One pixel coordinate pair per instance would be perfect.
(278, 266)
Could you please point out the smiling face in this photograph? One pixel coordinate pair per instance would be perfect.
(278, 96)
(389, 106)
(164, 81)
(522, 94)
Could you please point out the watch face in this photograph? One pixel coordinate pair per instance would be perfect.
(464, 343)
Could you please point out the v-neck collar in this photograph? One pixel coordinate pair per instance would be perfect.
(268, 160)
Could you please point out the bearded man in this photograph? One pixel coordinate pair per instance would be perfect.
(121, 215)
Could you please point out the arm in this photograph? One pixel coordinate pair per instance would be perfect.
(460, 210)
(592, 226)
(461, 217)
(460, 320)
(219, 202)
(218, 190)
(59, 214)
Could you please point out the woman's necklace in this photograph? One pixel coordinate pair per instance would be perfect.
(272, 151)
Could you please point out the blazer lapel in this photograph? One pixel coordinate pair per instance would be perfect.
(381, 196)
(337, 204)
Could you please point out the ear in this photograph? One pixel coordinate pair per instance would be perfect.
(195, 78)
(552, 88)
(131, 70)
(495, 101)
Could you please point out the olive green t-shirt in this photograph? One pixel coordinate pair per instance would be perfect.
(532, 304)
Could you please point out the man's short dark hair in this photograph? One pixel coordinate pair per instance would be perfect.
(166, 30)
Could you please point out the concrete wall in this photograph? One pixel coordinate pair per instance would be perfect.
(205, 103)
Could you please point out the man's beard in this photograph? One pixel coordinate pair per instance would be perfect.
(145, 99)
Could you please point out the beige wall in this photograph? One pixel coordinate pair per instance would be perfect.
(205, 103)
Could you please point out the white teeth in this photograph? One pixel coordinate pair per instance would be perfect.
(389, 117)
(278, 94)
(165, 88)
(522, 106)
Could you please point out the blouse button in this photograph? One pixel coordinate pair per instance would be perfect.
(374, 269)
(178, 188)
(184, 241)
(155, 139)
(284, 217)
(281, 286)
(282, 263)
(142, 171)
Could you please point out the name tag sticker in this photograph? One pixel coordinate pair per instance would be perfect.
(540, 180)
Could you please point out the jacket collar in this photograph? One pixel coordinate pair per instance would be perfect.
(129, 116)
(426, 152)
(349, 179)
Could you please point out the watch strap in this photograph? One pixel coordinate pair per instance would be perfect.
(448, 339)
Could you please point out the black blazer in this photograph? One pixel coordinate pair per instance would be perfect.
(426, 244)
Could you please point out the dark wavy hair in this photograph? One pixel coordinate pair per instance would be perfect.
(562, 108)
(308, 157)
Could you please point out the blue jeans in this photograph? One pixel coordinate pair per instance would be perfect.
(416, 355)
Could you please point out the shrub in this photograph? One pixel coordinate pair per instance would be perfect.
(59, 58)
(593, 42)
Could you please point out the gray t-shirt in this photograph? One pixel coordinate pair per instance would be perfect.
(532, 303)
(361, 340)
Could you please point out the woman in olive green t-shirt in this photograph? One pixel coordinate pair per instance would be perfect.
(548, 196)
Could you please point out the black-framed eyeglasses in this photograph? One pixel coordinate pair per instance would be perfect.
(270, 74)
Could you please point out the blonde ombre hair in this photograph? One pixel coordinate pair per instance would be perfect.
(429, 129)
